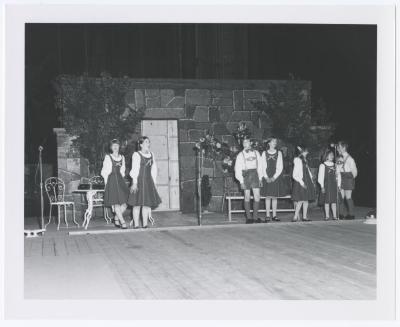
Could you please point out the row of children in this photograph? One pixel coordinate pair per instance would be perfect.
(262, 175)
(142, 195)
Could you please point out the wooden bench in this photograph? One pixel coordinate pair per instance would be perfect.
(241, 197)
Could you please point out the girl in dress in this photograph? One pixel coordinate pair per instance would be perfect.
(303, 186)
(348, 172)
(249, 173)
(329, 180)
(143, 193)
(272, 168)
(116, 191)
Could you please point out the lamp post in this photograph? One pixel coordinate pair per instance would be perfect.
(199, 177)
(41, 188)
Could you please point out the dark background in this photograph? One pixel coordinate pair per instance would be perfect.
(339, 60)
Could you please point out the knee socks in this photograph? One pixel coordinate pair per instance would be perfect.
(247, 209)
(256, 204)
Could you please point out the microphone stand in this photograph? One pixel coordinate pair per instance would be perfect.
(41, 188)
(337, 181)
(199, 177)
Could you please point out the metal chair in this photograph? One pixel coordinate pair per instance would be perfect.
(98, 197)
(55, 189)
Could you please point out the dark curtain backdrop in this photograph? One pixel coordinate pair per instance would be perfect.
(339, 60)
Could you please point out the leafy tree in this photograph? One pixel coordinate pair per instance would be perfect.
(95, 112)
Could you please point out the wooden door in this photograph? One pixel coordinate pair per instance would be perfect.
(163, 135)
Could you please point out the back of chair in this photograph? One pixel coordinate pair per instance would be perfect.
(99, 182)
(96, 180)
(55, 189)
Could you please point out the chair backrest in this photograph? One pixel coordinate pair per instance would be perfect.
(96, 180)
(55, 189)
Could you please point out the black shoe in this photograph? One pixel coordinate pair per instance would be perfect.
(144, 227)
(267, 220)
(258, 221)
(249, 221)
(350, 217)
(341, 217)
(306, 219)
(275, 219)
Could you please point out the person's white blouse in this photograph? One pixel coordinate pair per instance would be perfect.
(246, 161)
(349, 165)
(321, 173)
(134, 173)
(298, 170)
(279, 164)
(107, 167)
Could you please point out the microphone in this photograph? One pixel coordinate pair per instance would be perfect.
(40, 148)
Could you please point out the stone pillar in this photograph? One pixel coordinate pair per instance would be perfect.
(70, 166)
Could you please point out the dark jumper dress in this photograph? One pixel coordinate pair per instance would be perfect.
(330, 186)
(116, 191)
(304, 194)
(275, 188)
(146, 194)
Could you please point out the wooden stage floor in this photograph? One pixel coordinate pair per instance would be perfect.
(300, 261)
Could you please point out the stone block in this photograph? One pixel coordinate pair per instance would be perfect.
(203, 126)
(232, 126)
(221, 93)
(187, 161)
(219, 129)
(152, 93)
(74, 165)
(139, 99)
(253, 94)
(190, 109)
(251, 104)
(208, 171)
(225, 113)
(215, 204)
(238, 116)
(255, 115)
(179, 92)
(201, 114)
(214, 115)
(187, 174)
(222, 101)
(187, 149)
(164, 113)
(238, 100)
(195, 135)
(176, 102)
(200, 97)
(186, 124)
(130, 99)
(217, 186)
(229, 139)
(183, 135)
(153, 102)
(166, 97)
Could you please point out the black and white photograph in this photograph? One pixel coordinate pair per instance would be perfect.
(202, 161)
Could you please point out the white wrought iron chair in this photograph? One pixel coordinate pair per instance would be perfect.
(55, 189)
(98, 197)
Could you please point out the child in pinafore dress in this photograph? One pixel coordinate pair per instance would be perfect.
(329, 180)
(143, 190)
(272, 161)
(348, 171)
(116, 191)
(303, 186)
(249, 173)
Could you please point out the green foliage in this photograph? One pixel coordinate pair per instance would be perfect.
(291, 118)
(95, 112)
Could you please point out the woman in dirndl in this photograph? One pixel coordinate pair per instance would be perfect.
(272, 161)
(143, 193)
(348, 171)
(116, 191)
(329, 181)
(303, 185)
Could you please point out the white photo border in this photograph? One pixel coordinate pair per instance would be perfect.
(18, 308)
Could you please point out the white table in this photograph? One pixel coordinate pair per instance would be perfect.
(92, 202)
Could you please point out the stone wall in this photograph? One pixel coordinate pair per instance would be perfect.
(199, 105)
